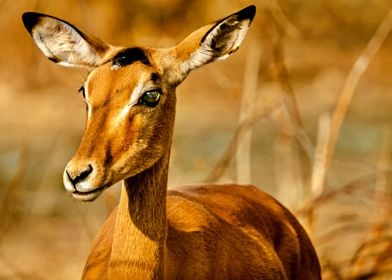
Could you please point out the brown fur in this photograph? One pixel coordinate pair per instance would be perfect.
(198, 232)
(213, 232)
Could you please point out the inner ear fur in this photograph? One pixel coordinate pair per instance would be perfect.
(214, 41)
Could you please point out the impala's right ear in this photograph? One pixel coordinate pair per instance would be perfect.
(63, 43)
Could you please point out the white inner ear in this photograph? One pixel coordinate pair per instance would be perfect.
(62, 43)
(219, 43)
(227, 41)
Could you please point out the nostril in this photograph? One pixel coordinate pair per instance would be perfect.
(80, 176)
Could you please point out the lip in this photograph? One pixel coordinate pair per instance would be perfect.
(88, 196)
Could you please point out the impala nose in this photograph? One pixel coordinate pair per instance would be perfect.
(77, 176)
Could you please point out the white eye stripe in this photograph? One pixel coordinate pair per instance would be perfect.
(138, 91)
(136, 94)
(86, 97)
(89, 109)
(86, 93)
(85, 86)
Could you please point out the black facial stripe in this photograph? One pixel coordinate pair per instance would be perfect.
(129, 56)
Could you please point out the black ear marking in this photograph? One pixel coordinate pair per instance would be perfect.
(54, 59)
(247, 13)
(30, 20)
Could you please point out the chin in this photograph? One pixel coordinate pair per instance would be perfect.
(88, 196)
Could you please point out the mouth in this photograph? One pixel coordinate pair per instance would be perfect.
(88, 196)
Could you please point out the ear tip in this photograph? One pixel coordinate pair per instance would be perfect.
(247, 13)
(30, 19)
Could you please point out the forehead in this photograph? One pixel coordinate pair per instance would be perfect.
(131, 55)
(123, 64)
(128, 68)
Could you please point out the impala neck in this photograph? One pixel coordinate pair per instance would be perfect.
(140, 231)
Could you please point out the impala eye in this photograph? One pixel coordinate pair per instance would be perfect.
(150, 98)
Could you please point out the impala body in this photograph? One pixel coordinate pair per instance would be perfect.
(197, 232)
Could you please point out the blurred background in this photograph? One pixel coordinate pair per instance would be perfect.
(303, 110)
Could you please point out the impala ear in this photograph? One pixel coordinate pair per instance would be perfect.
(214, 41)
(63, 43)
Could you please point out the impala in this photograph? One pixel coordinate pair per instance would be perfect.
(196, 232)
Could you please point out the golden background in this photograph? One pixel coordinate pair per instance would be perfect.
(309, 74)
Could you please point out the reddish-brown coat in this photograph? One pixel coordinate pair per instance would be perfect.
(223, 232)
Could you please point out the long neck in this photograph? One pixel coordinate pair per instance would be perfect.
(141, 228)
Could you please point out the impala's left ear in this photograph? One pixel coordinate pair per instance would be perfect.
(214, 41)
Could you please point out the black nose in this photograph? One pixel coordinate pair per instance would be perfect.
(79, 176)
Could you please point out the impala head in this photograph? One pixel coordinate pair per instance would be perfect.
(130, 94)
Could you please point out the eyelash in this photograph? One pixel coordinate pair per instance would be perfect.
(82, 91)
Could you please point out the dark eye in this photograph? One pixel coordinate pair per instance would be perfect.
(150, 98)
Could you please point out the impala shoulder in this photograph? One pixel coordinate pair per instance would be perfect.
(240, 205)
(187, 215)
